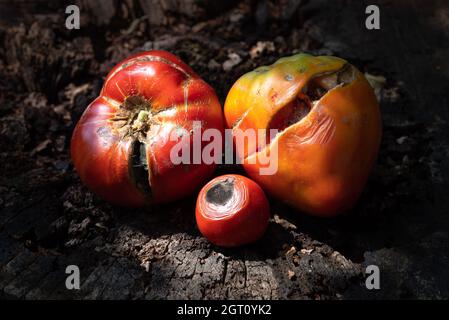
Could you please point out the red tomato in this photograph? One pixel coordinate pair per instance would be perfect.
(121, 145)
(232, 210)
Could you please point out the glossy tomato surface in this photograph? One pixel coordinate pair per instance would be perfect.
(328, 130)
(232, 210)
(149, 104)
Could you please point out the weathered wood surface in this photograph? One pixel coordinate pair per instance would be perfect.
(48, 220)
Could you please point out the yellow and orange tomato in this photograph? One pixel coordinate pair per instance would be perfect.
(329, 127)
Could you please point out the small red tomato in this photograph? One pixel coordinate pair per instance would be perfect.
(232, 210)
(122, 145)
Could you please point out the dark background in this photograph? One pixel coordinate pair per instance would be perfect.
(48, 219)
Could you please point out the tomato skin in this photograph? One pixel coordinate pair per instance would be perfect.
(158, 95)
(241, 220)
(324, 159)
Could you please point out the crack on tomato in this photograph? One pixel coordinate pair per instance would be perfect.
(138, 167)
(134, 118)
(240, 119)
(221, 192)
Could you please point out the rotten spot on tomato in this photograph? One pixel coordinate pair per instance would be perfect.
(124, 154)
(221, 193)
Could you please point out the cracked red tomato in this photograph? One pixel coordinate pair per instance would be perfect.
(122, 145)
(328, 130)
(232, 210)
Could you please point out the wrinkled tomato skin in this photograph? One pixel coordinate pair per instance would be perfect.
(176, 97)
(325, 158)
(242, 221)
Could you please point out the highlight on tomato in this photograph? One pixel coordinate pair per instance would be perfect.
(121, 145)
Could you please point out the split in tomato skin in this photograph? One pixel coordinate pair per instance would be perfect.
(121, 145)
(232, 210)
(329, 130)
